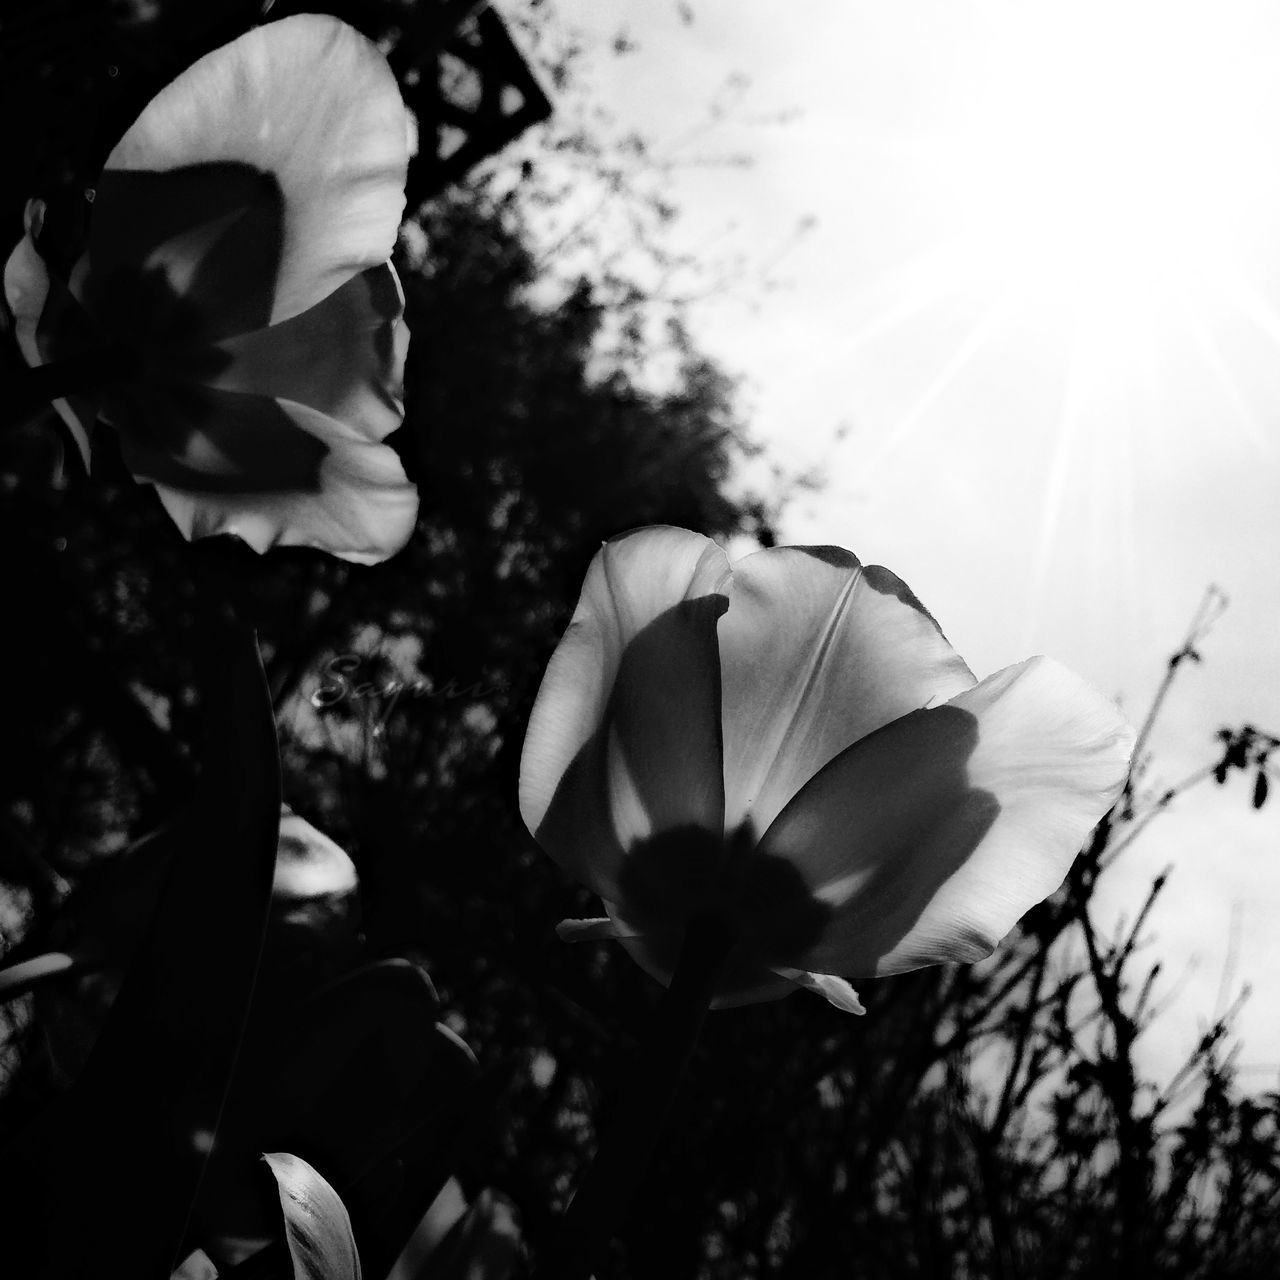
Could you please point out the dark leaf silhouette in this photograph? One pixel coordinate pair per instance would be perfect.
(129, 1145)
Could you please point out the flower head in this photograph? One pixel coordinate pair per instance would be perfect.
(236, 285)
(791, 747)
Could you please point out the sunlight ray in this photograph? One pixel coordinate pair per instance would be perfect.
(1243, 412)
(964, 355)
(1149, 387)
(1254, 306)
(915, 285)
(1125, 543)
(1054, 494)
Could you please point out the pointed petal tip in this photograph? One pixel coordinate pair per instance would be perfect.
(599, 929)
(817, 653)
(1114, 735)
(698, 561)
(833, 990)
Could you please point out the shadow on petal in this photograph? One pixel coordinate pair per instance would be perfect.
(214, 232)
(202, 440)
(880, 831)
(363, 508)
(687, 873)
(887, 583)
(818, 652)
(654, 762)
(341, 356)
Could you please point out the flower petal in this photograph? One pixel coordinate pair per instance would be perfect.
(339, 156)
(834, 990)
(932, 837)
(206, 441)
(816, 652)
(344, 356)
(357, 504)
(624, 737)
(28, 289)
(599, 929)
(26, 285)
(317, 1227)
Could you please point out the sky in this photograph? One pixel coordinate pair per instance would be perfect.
(1008, 277)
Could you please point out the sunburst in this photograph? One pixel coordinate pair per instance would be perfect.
(1103, 177)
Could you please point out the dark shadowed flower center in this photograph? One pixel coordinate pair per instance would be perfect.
(688, 873)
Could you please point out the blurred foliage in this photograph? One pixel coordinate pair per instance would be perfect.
(978, 1122)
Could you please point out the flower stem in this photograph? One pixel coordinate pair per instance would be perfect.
(628, 1145)
(31, 388)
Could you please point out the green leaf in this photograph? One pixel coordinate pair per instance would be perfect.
(317, 1228)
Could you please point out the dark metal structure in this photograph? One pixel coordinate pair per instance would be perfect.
(470, 89)
(75, 73)
(461, 74)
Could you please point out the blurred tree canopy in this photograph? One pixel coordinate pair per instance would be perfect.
(982, 1122)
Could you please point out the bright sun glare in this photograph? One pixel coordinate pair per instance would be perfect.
(1104, 178)
(1115, 156)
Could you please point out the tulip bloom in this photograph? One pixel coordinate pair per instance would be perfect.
(235, 307)
(790, 749)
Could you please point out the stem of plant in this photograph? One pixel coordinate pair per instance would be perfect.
(34, 387)
(628, 1145)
